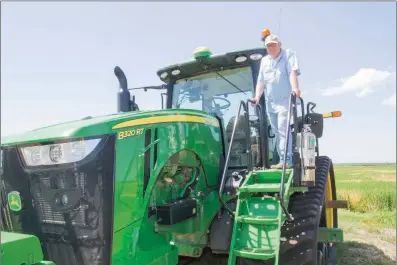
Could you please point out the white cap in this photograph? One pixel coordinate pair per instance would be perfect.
(271, 39)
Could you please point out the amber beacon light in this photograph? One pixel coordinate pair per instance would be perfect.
(333, 114)
(264, 34)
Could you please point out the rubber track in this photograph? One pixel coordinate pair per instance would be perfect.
(298, 244)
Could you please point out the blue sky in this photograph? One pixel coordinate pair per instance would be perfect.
(58, 58)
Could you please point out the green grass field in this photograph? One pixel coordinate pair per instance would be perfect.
(370, 221)
(367, 188)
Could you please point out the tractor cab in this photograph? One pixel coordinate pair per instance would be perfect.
(217, 85)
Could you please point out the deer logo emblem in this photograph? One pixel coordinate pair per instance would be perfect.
(14, 201)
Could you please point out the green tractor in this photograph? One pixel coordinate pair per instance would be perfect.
(151, 187)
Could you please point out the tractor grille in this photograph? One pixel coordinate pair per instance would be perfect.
(58, 181)
(78, 235)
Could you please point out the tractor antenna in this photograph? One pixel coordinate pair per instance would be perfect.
(279, 22)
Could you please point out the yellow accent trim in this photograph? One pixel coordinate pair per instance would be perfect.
(329, 212)
(167, 119)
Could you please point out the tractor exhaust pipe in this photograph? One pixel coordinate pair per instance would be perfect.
(123, 96)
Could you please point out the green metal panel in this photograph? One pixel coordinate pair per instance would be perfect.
(330, 235)
(17, 249)
(193, 137)
(88, 127)
(298, 189)
(138, 239)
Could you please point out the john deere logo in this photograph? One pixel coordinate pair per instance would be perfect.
(14, 201)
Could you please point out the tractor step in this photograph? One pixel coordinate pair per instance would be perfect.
(254, 253)
(264, 181)
(260, 220)
(273, 187)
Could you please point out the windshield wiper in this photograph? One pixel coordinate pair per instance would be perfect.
(224, 78)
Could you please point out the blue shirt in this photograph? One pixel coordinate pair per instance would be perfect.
(274, 74)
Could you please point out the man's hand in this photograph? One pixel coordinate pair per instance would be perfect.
(254, 101)
(297, 92)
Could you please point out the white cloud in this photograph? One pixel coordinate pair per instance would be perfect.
(364, 82)
(391, 101)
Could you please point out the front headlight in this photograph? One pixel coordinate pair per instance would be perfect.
(60, 153)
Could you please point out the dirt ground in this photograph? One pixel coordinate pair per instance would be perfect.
(361, 247)
(371, 239)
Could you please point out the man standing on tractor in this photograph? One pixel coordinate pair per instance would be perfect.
(277, 76)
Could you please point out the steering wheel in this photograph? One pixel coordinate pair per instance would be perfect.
(225, 106)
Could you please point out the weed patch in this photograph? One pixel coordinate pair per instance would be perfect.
(367, 189)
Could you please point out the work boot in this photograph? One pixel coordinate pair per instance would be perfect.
(277, 166)
(280, 166)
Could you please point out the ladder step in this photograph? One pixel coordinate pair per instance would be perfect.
(274, 187)
(254, 253)
(265, 220)
(270, 170)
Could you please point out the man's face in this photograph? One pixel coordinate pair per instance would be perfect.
(273, 49)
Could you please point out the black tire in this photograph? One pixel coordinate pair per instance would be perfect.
(299, 244)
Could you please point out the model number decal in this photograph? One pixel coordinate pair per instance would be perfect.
(129, 133)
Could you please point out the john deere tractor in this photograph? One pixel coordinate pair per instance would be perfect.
(150, 187)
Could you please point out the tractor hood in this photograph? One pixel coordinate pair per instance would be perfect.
(103, 125)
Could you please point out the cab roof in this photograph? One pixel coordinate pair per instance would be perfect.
(213, 62)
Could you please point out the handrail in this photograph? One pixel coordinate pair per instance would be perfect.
(291, 99)
(248, 134)
(298, 176)
(249, 166)
(262, 134)
(310, 106)
(291, 109)
(301, 141)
